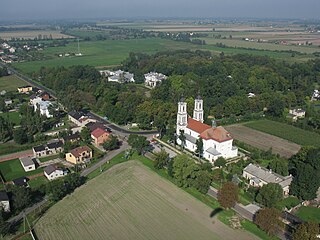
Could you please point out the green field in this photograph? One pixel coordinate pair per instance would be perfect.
(10, 83)
(13, 117)
(112, 52)
(309, 214)
(285, 131)
(129, 201)
(36, 182)
(12, 169)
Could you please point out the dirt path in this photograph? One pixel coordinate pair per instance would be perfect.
(16, 155)
(263, 141)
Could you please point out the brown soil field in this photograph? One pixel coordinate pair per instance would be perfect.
(263, 141)
(32, 34)
(129, 201)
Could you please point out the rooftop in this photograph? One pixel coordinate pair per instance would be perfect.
(27, 161)
(218, 134)
(51, 168)
(197, 126)
(98, 132)
(79, 150)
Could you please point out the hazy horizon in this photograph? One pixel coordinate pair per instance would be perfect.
(73, 9)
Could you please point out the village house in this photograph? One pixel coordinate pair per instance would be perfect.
(152, 79)
(316, 95)
(52, 172)
(25, 89)
(7, 102)
(94, 125)
(50, 148)
(37, 97)
(79, 155)
(72, 138)
(43, 107)
(120, 76)
(4, 201)
(259, 176)
(28, 163)
(12, 50)
(217, 142)
(99, 136)
(80, 119)
(21, 182)
(294, 114)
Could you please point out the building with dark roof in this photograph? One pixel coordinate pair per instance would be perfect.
(72, 137)
(50, 148)
(21, 182)
(53, 172)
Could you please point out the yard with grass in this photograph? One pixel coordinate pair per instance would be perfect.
(288, 203)
(12, 169)
(129, 201)
(10, 83)
(285, 131)
(37, 182)
(309, 214)
(13, 117)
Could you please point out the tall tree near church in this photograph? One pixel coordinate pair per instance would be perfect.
(182, 138)
(199, 149)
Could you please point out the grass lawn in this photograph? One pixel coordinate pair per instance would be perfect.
(11, 83)
(285, 131)
(46, 159)
(36, 182)
(309, 214)
(12, 169)
(288, 203)
(13, 117)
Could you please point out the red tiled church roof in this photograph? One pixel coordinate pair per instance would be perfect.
(197, 126)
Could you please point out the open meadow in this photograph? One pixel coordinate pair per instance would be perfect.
(285, 131)
(129, 201)
(31, 34)
(10, 83)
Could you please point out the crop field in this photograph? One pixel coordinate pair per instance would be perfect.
(263, 140)
(285, 131)
(10, 83)
(129, 201)
(31, 34)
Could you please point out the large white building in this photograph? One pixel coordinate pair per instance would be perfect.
(118, 76)
(42, 106)
(217, 142)
(152, 79)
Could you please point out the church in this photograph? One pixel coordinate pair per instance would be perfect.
(217, 142)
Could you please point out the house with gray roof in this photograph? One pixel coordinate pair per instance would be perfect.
(259, 176)
(53, 147)
(28, 163)
(53, 172)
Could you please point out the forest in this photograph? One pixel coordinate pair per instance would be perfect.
(223, 82)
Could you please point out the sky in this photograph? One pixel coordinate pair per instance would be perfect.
(77, 9)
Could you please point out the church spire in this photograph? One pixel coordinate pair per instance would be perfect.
(198, 109)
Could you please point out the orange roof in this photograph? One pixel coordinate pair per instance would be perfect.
(197, 126)
(98, 132)
(79, 150)
(218, 134)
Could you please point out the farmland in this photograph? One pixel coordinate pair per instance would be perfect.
(10, 83)
(263, 140)
(31, 34)
(129, 201)
(285, 131)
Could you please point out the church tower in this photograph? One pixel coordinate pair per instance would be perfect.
(198, 109)
(182, 116)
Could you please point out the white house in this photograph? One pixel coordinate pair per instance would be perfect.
(53, 172)
(53, 147)
(259, 176)
(12, 50)
(118, 76)
(80, 119)
(28, 163)
(316, 95)
(296, 113)
(152, 79)
(7, 102)
(217, 142)
(42, 106)
(4, 201)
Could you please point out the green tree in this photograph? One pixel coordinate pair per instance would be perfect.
(199, 144)
(182, 138)
(270, 194)
(203, 181)
(112, 143)
(268, 219)
(161, 159)
(138, 143)
(228, 195)
(220, 162)
(20, 136)
(85, 135)
(21, 198)
(279, 166)
(306, 231)
(185, 171)
(4, 226)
